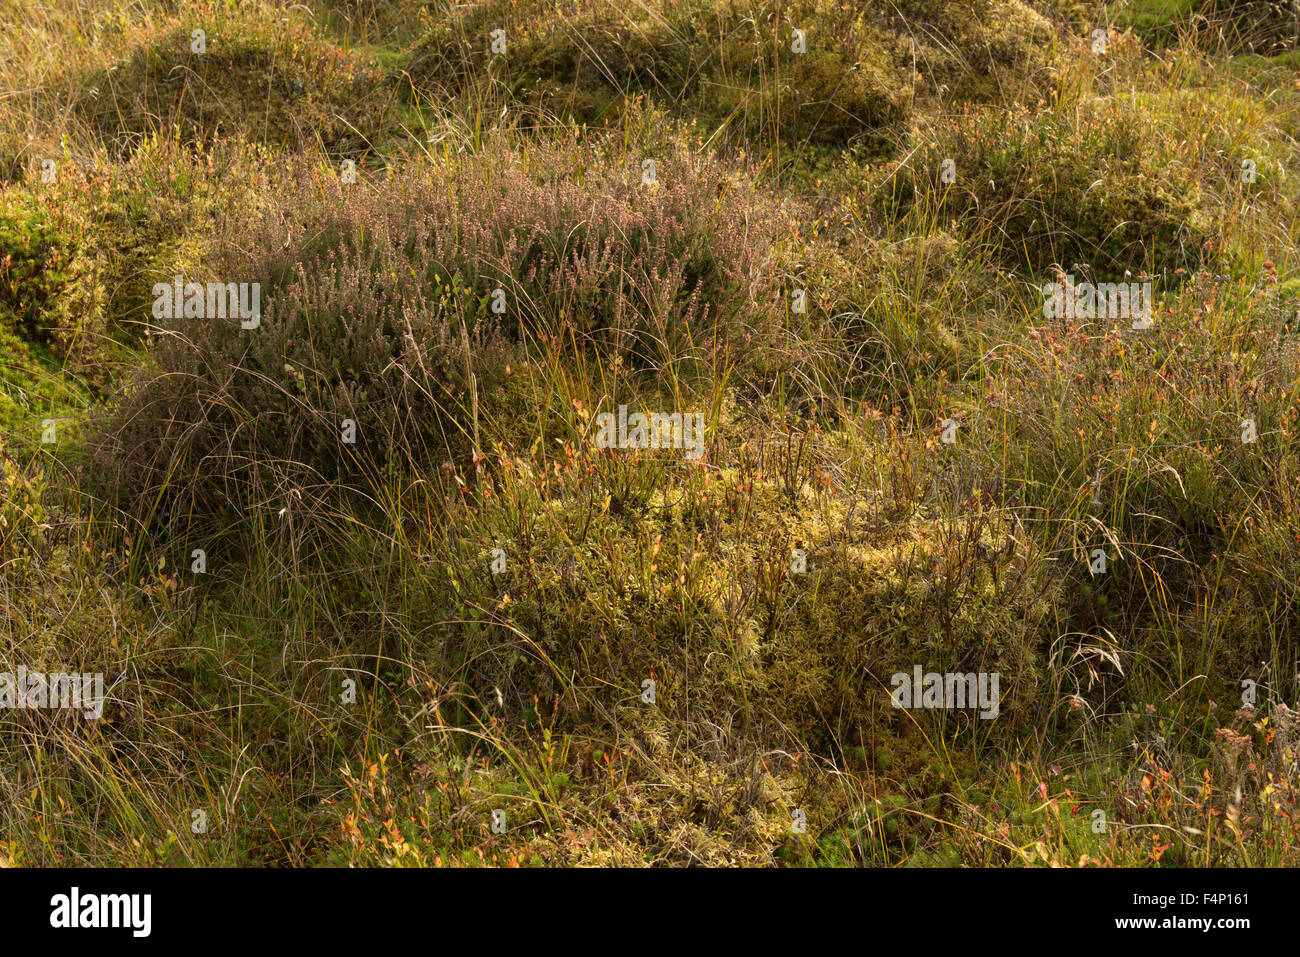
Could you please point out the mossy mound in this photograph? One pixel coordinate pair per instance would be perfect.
(1127, 185)
(777, 609)
(264, 77)
(811, 72)
(79, 256)
(50, 293)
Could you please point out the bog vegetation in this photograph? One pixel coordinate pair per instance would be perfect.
(362, 575)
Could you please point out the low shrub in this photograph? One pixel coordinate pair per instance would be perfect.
(397, 305)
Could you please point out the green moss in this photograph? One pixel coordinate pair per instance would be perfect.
(1243, 26)
(1156, 16)
(33, 387)
(703, 596)
(79, 257)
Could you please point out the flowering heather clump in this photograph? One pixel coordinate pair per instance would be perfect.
(385, 305)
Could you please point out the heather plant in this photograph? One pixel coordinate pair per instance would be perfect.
(397, 305)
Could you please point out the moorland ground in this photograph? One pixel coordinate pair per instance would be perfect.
(359, 574)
